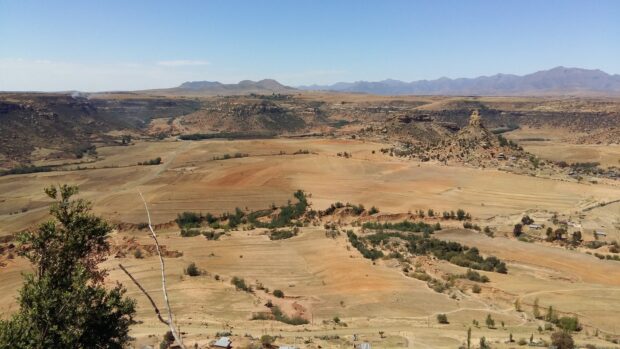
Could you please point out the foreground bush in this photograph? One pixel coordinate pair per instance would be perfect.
(64, 303)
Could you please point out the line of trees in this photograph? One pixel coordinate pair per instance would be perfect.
(450, 251)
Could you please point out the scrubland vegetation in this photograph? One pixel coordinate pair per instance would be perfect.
(155, 161)
(416, 244)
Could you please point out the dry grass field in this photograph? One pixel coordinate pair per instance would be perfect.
(190, 180)
(550, 144)
(323, 277)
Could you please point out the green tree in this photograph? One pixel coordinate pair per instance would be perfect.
(125, 139)
(570, 324)
(469, 338)
(549, 234)
(442, 318)
(490, 322)
(64, 303)
(192, 270)
(517, 230)
(518, 305)
(536, 309)
(551, 316)
(526, 220)
(483, 343)
(266, 340)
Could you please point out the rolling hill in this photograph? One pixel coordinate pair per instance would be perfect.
(214, 88)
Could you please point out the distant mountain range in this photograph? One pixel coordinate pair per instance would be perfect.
(552, 82)
(213, 88)
(556, 81)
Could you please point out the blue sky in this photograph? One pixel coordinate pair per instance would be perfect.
(109, 45)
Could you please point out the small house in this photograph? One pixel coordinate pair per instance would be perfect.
(364, 345)
(535, 226)
(599, 233)
(223, 342)
(287, 347)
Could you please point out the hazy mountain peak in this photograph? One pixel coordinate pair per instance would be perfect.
(555, 81)
(197, 85)
(265, 86)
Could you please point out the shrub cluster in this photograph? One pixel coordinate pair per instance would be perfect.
(187, 220)
(442, 318)
(569, 323)
(25, 170)
(586, 167)
(503, 142)
(460, 214)
(450, 251)
(280, 316)
(234, 219)
(469, 225)
(212, 235)
(404, 226)
(186, 233)
(234, 156)
(608, 256)
(155, 161)
(240, 284)
(286, 215)
(282, 234)
(352, 208)
(360, 246)
(474, 276)
(192, 270)
(84, 148)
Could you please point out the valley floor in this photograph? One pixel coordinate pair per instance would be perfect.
(321, 277)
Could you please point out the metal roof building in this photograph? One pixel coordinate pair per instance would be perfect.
(223, 342)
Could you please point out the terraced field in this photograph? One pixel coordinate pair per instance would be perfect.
(189, 179)
(323, 277)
